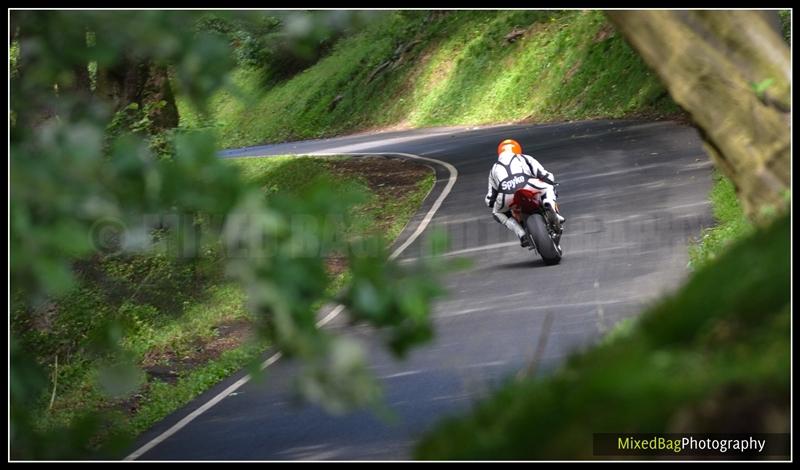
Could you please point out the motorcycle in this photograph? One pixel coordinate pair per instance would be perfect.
(541, 225)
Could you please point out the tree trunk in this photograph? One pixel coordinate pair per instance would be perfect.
(134, 80)
(730, 70)
(157, 89)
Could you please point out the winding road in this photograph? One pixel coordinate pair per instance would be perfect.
(634, 193)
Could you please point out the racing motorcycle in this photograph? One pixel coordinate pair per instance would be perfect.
(541, 225)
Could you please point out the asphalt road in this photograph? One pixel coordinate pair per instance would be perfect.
(633, 193)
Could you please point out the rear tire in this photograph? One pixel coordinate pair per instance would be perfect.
(551, 254)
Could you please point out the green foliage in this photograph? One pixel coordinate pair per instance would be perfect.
(621, 330)
(786, 25)
(294, 176)
(246, 35)
(86, 183)
(154, 305)
(280, 44)
(135, 120)
(568, 65)
(13, 56)
(731, 224)
(761, 87)
(714, 357)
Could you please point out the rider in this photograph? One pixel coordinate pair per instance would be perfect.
(514, 170)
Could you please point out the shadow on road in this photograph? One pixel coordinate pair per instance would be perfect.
(523, 264)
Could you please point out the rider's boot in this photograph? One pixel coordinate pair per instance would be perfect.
(514, 226)
(553, 217)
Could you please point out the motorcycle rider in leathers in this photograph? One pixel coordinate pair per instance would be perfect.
(514, 170)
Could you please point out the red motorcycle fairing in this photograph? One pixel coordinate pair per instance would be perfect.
(526, 201)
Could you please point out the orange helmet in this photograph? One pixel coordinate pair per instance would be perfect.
(515, 146)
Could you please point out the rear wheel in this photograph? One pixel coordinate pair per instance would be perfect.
(547, 248)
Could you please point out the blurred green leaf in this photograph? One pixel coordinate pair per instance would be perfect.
(761, 87)
(119, 380)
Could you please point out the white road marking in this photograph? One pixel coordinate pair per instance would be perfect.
(493, 246)
(444, 220)
(402, 374)
(328, 318)
(484, 364)
(540, 307)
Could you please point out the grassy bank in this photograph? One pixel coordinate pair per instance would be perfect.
(457, 68)
(731, 224)
(181, 323)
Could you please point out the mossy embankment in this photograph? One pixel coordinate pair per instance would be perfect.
(418, 69)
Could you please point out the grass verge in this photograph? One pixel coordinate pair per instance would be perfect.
(731, 224)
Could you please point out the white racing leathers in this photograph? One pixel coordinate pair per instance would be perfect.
(510, 173)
